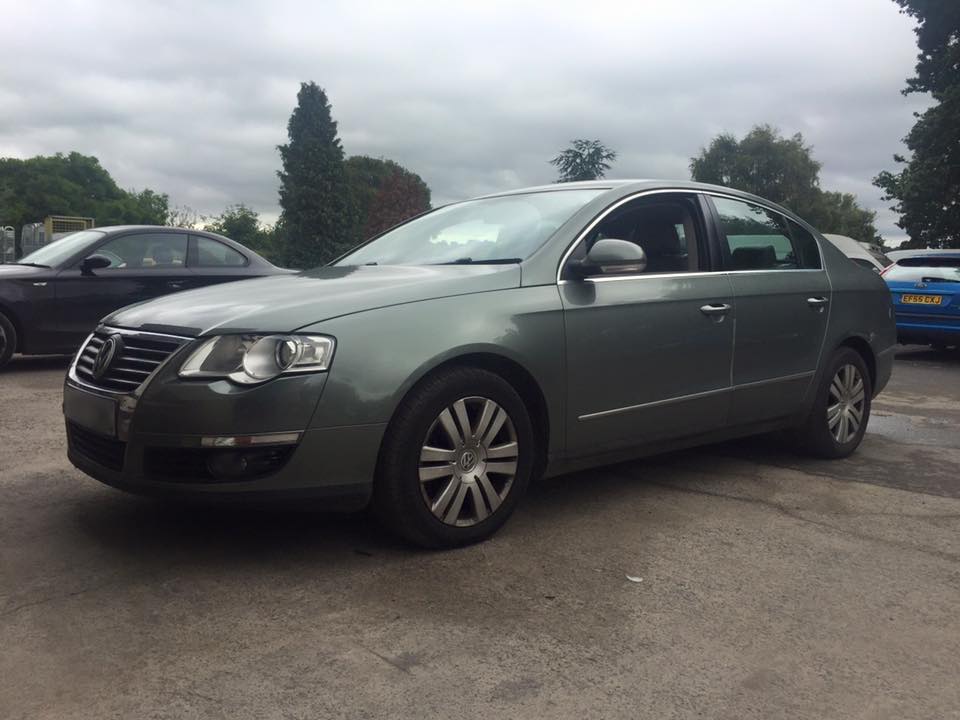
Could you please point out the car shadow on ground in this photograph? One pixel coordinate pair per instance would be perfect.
(924, 353)
(240, 534)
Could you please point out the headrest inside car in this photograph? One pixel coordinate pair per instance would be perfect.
(754, 258)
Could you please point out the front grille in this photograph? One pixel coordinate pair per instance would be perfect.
(137, 357)
(98, 448)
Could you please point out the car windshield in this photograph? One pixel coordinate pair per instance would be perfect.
(926, 269)
(491, 230)
(63, 249)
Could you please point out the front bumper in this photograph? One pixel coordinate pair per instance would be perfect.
(126, 441)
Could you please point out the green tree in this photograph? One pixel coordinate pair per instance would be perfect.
(927, 190)
(583, 160)
(184, 216)
(242, 224)
(72, 184)
(782, 170)
(317, 215)
(383, 194)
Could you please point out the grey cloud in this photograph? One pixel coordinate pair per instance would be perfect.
(192, 98)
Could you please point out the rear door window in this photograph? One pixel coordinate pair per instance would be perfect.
(759, 239)
(209, 253)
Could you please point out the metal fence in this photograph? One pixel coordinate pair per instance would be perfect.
(35, 235)
(8, 244)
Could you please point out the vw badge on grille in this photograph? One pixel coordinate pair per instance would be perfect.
(108, 351)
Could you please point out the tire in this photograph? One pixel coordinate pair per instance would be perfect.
(836, 434)
(8, 340)
(461, 498)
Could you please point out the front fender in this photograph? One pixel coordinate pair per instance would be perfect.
(381, 354)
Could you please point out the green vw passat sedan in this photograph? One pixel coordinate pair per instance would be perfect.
(435, 370)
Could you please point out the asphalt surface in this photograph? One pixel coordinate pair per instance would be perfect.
(765, 585)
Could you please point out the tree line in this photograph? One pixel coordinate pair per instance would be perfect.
(330, 202)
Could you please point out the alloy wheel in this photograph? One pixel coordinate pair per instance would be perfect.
(845, 404)
(468, 461)
(3, 341)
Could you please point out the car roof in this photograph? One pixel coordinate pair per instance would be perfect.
(110, 229)
(924, 252)
(629, 185)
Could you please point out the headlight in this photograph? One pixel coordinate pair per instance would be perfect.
(251, 359)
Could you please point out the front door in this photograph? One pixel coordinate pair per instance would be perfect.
(648, 354)
(783, 305)
(143, 266)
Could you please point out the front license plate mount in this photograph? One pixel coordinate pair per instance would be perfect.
(93, 412)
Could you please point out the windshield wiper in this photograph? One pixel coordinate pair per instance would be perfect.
(490, 261)
(33, 265)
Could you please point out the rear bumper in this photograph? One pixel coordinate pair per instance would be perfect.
(884, 369)
(922, 333)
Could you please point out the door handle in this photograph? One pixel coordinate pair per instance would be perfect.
(715, 309)
(817, 303)
(175, 284)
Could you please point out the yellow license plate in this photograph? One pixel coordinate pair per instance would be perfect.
(921, 299)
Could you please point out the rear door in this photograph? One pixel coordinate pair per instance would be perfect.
(144, 265)
(783, 305)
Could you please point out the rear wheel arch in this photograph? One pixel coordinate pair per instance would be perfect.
(861, 346)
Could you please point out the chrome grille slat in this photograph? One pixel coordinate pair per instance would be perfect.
(141, 354)
(128, 359)
(141, 373)
(133, 348)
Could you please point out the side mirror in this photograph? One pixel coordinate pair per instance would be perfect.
(94, 262)
(611, 257)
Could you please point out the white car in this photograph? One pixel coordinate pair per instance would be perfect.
(858, 253)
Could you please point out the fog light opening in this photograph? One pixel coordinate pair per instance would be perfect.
(246, 464)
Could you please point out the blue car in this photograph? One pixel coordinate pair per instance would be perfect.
(926, 297)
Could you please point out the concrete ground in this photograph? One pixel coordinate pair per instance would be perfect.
(767, 586)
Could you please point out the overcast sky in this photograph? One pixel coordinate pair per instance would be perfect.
(191, 98)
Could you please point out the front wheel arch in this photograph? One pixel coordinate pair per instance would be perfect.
(17, 328)
(517, 376)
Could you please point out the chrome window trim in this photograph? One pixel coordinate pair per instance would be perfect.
(660, 191)
(699, 273)
(72, 374)
(695, 396)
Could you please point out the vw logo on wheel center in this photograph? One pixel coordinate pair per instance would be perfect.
(105, 355)
(468, 460)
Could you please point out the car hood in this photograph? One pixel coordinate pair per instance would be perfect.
(20, 272)
(288, 302)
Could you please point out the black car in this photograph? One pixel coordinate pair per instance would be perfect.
(54, 297)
